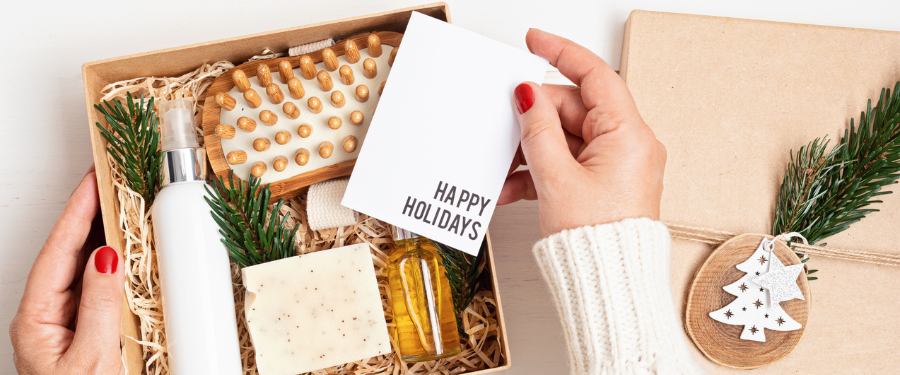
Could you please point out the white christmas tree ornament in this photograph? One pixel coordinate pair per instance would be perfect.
(759, 292)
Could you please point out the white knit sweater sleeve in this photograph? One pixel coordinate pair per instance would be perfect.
(610, 283)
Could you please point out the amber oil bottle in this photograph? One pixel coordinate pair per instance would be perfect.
(422, 302)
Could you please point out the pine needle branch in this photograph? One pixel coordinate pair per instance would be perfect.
(823, 193)
(241, 210)
(464, 274)
(133, 140)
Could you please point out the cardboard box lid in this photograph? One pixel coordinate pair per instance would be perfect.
(730, 99)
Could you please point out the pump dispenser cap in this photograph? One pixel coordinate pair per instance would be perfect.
(177, 126)
(183, 159)
(399, 234)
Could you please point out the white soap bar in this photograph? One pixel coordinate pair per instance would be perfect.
(315, 311)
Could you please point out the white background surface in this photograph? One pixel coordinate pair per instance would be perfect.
(45, 148)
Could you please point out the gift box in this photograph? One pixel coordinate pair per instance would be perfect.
(180, 60)
(731, 100)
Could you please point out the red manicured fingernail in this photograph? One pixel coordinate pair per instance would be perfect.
(106, 260)
(524, 97)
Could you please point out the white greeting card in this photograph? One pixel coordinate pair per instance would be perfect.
(443, 135)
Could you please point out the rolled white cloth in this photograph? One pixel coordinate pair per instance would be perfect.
(323, 205)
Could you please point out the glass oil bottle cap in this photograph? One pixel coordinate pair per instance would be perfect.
(399, 234)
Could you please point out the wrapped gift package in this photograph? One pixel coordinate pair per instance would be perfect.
(176, 61)
(732, 99)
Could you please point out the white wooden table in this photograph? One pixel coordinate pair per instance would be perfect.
(44, 144)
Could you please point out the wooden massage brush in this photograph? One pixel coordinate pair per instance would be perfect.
(294, 121)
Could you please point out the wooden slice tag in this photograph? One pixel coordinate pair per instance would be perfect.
(721, 342)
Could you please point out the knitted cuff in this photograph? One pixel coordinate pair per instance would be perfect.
(611, 287)
(323, 205)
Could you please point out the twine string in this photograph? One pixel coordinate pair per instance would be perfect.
(769, 244)
(716, 237)
(786, 237)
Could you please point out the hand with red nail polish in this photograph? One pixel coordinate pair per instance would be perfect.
(591, 158)
(68, 319)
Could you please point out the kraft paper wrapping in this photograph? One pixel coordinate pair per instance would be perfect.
(730, 99)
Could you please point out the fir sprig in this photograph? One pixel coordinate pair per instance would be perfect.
(464, 274)
(134, 143)
(823, 193)
(241, 210)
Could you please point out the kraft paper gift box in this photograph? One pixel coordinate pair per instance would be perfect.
(179, 60)
(731, 99)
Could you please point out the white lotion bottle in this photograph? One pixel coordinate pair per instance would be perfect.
(194, 270)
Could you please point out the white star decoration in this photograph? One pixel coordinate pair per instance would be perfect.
(781, 281)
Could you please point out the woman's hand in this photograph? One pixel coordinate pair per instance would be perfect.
(55, 331)
(592, 159)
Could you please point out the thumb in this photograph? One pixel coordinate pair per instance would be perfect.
(543, 139)
(97, 328)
